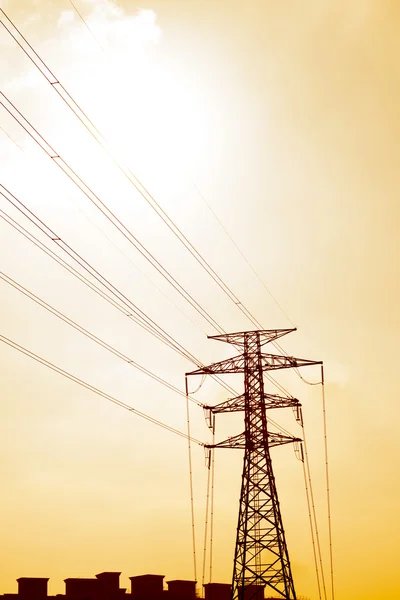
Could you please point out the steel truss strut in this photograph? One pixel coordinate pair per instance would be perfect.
(261, 557)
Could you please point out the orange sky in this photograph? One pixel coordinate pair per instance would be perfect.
(286, 118)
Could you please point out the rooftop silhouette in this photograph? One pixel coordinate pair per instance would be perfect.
(106, 586)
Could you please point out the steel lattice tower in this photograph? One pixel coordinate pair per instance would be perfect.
(261, 556)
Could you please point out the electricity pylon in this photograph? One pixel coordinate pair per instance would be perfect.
(261, 555)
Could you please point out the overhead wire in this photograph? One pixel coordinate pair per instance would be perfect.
(206, 511)
(139, 316)
(55, 238)
(328, 493)
(102, 207)
(119, 305)
(313, 517)
(86, 24)
(95, 133)
(312, 530)
(51, 78)
(102, 141)
(94, 389)
(191, 480)
(17, 286)
(172, 226)
(11, 139)
(212, 505)
(201, 195)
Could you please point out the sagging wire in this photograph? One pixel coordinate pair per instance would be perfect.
(199, 386)
(313, 518)
(210, 483)
(191, 480)
(94, 389)
(328, 494)
(307, 475)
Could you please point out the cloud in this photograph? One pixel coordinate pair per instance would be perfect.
(67, 16)
(122, 31)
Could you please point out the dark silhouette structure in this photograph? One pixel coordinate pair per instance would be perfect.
(106, 586)
(261, 557)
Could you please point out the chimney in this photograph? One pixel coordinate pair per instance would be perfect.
(32, 588)
(81, 588)
(108, 585)
(181, 589)
(147, 587)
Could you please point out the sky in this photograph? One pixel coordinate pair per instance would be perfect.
(269, 132)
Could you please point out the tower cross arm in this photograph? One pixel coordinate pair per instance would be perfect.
(238, 403)
(271, 362)
(230, 365)
(240, 441)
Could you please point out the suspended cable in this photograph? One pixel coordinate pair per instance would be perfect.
(328, 494)
(203, 574)
(140, 317)
(101, 140)
(81, 278)
(102, 207)
(308, 483)
(191, 481)
(91, 336)
(83, 21)
(11, 139)
(84, 280)
(71, 174)
(212, 503)
(131, 310)
(239, 250)
(94, 389)
(311, 530)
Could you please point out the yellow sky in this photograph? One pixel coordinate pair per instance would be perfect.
(286, 117)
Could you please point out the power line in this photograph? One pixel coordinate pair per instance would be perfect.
(90, 335)
(123, 305)
(84, 22)
(191, 481)
(98, 290)
(94, 389)
(102, 141)
(102, 207)
(328, 493)
(313, 517)
(239, 250)
(131, 309)
(73, 176)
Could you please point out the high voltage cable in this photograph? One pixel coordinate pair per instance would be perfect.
(138, 315)
(328, 492)
(83, 21)
(30, 237)
(90, 335)
(124, 305)
(128, 235)
(95, 133)
(94, 389)
(102, 207)
(102, 141)
(313, 515)
(239, 250)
